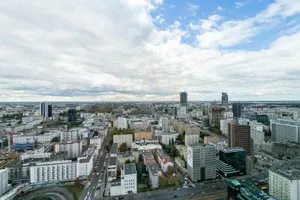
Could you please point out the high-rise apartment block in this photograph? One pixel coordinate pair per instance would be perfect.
(164, 123)
(3, 181)
(122, 123)
(285, 130)
(284, 184)
(201, 162)
(191, 138)
(239, 136)
(237, 109)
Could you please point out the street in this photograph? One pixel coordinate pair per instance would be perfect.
(93, 180)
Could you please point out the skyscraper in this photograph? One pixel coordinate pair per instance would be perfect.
(201, 162)
(224, 99)
(236, 109)
(45, 109)
(239, 136)
(183, 99)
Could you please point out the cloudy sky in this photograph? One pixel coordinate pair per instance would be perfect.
(114, 50)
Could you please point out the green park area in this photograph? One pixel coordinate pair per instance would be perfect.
(75, 189)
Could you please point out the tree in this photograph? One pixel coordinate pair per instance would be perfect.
(68, 125)
(127, 161)
(123, 147)
(170, 171)
(147, 182)
(174, 151)
(55, 139)
(161, 181)
(20, 122)
(5, 142)
(77, 183)
(96, 133)
(141, 160)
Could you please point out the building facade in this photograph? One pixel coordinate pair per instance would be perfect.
(125, 138)
(191, 139)
(122, 123)
(239, 136)
(142, 135)
(183, 99)
(55, 171)
(283, 130)
(284, 184)
(237, 110)
(4, 186)
(129, 179)
(235, 157)
(201, 162)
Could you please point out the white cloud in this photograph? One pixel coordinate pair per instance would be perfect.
(239, 4)
(112, 50)
(220, 8)
(192, 8)
(159, 19)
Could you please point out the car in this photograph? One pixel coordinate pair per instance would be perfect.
(150, 196)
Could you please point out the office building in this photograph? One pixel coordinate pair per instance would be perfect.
(201, 162)
(224, 99)
(191, 139)
(281, 149)
(45, 109)
(239, 136)
(235, 157)
(122, 123)
(164, 124)
(216, 114)
(129, 179)
(72, 115)
(55, 171)
(239, 191)
(4, 186)
(183, 99)
(125, 138)
(257, 135)
(284, 184)
(285, 130)
(237, 110)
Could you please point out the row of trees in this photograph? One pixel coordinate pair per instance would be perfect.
(116, 131)
(169, 179)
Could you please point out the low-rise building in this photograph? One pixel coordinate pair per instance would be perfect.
(142, 135)
(114, 150)
(154, 173)
(129, 179)
(112, 169)
(164, 161)
(211, 139)
(180, 162)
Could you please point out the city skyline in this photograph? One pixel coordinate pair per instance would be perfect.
(139, 50)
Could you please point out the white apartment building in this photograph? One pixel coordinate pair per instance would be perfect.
(257, 134)
(164, 124)
(125, 138)
(285, 130)
(96, 141)
(191, 139)
(154, 173)
(4, 186)
(181, 112)
(35, 155)
(44, 138)
(284, 184)
(43, 172)
(201, 162)
(74, 149)
(122, 123)
(129, 179)
(167, 138)
(85, 165)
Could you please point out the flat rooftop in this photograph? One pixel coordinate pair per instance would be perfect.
(130, 168)
(291, 174)
(232, 149)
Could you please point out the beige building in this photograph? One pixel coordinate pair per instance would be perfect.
(191, 139)
(142, 135)
(120, 139)
(211, 139)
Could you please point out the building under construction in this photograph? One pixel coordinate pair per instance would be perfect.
(216, 113)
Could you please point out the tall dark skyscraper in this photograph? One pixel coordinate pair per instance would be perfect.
(45, 109)
(183, 99)
(239, 136)
(237, 109)
(71, 115)
(224, 99)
